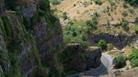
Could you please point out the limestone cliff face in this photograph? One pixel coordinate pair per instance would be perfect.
(30, 37)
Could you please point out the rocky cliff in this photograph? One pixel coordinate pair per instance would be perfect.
(30, 38)
(118, 40)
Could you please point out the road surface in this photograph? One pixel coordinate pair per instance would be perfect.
(106, 63)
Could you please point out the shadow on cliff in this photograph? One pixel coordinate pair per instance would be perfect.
(102, 70)
(119, 41)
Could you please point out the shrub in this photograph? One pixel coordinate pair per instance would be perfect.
(111, 2)
(125, 13)
(102, 44)
(75, 33)
(119, 61)
(65, 16)
(133, 58)
(132, 2)
(136, 19)
(44, 5)
(131, 10)
(136, 30)
(98, 2)
(125, 5)
(124, 24)
(92, 24)
(55, 2)
(134, 62)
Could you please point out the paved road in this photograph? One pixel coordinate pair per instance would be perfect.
(106, 60)
(101, 70)
(104, 67)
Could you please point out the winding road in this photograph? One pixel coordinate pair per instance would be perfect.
(106, 63)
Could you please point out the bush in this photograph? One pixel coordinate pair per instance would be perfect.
(119, 61)
(98, 2)
(102, 44)
(132, 2)
(125, 13)
(124, 24)
(133, 58)
(75, 33)
(55, 2)
(92, 24)
(131, 11)
(111, 2)
(44, 5)
(65, 16)
(136, 30)
(134, 62)
(136, 19)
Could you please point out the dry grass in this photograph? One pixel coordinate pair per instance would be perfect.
(84, 9)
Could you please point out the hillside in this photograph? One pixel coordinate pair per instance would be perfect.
(68, 38)
(110, 24)
(108, 12)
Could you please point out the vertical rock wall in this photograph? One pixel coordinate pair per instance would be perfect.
(29, 34)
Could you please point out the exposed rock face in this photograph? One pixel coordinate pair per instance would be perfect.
(135, 42)
(1, 7)
(93, 57)
(119, 41)
(27, 34)
(30, 9)
(79, 59)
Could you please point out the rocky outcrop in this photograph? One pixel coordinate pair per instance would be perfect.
(93, 57)
(119, 40)
(1, 7)
(28, 33)
(76, 58)
(135, 42)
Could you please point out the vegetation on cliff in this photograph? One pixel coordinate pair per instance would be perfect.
(20, 41)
